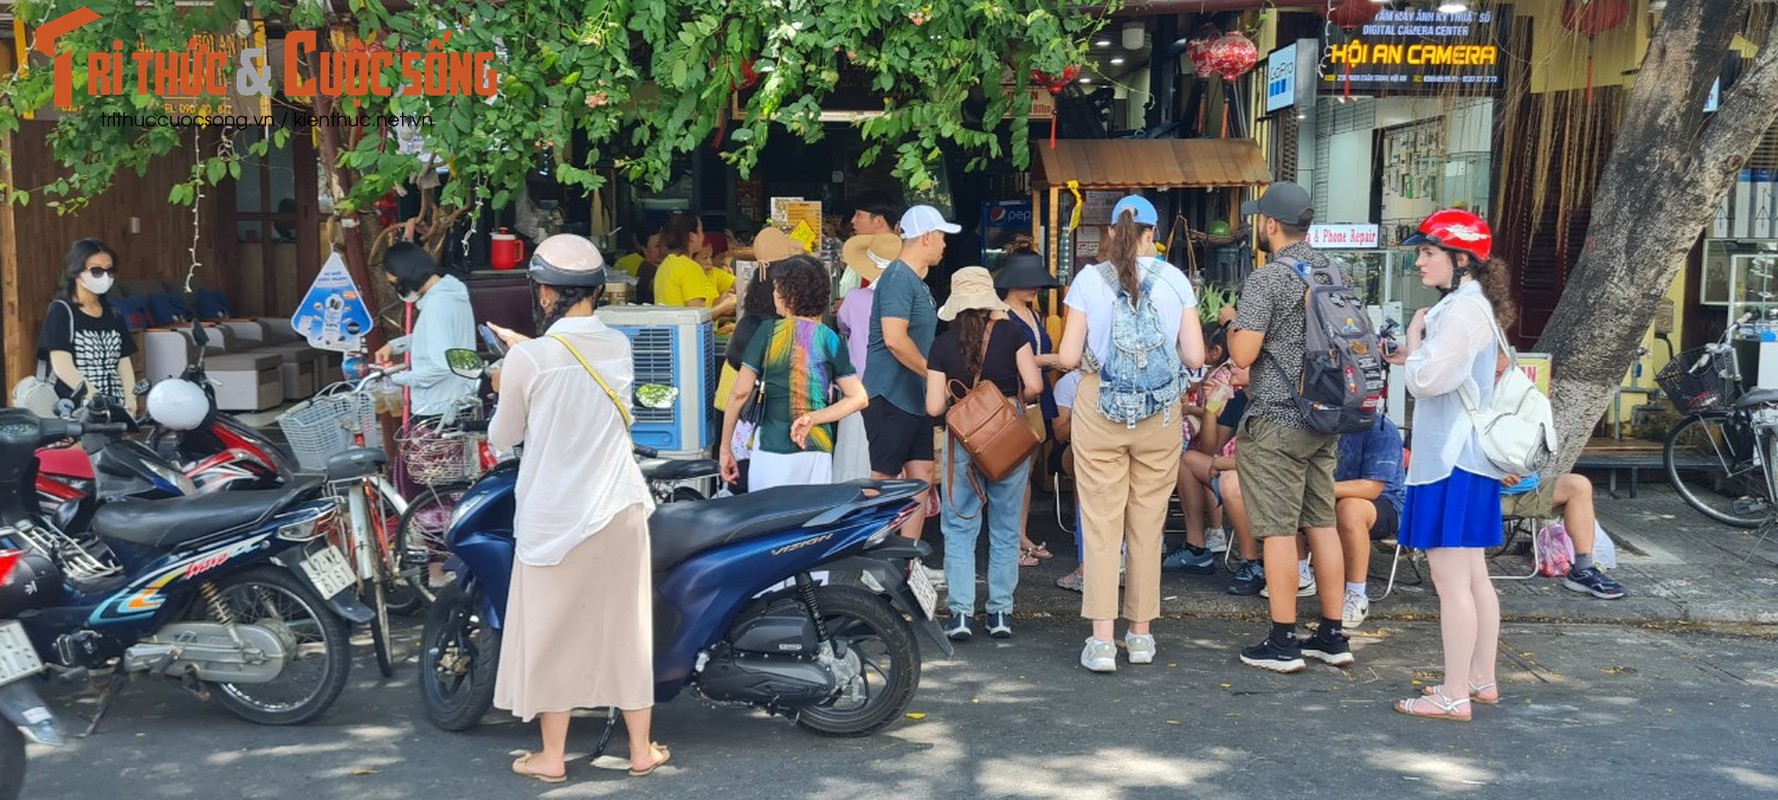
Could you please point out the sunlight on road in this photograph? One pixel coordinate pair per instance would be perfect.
(1449, 773)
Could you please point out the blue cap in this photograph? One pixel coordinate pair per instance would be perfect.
(1145, 213)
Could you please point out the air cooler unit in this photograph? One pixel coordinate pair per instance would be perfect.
(675, 347)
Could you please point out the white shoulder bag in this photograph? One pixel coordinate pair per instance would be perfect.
(37, 393)
(1517, 430)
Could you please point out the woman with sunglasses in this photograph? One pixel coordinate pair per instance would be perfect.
(85, 341)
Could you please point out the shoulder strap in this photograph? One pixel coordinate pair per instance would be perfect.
(615, 400)
(1464, 390)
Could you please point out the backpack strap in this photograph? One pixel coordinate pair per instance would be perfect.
(1464, 390)
(621, 411)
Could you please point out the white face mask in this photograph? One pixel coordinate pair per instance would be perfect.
(411, 297)
(99, 285)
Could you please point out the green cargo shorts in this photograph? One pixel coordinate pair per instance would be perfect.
(1286, 476)
(1539, 503)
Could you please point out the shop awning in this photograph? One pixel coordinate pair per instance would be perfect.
(1151, 163)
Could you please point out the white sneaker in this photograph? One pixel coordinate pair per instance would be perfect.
(1305, 584)
(936, 576)
(1357, 608)
(1140, 648)
(1216, 540)
(1099, 656)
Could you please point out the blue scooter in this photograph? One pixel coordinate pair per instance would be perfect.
(837, 660)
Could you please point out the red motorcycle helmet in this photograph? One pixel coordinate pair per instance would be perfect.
(1455, 229)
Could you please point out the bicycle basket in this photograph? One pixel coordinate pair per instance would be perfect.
(430, 458)
(321, 426)
(1702, 390)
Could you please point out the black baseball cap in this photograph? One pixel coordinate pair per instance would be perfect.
(1284, 201)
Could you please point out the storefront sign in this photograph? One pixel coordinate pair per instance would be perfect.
(1343, 237)
(1414, 51)
(1281, 78)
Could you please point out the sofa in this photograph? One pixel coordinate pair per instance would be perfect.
(257, 364)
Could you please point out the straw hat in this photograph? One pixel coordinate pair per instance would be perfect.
(773, 245)
(868, 254)
(1024, 271)
(972, 288)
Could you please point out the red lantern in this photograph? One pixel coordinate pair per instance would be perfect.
(1591, 18)
(1232, 56)
(1055, 84)
(1350, 14)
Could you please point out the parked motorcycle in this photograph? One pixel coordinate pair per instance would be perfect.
(22, 713)
(232, 592)
(837, 660)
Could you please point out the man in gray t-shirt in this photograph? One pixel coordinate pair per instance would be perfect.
(1286, 467)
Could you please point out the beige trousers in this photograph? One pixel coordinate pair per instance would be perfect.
(1124, 477)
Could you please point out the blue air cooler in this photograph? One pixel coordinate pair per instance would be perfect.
(675, 347)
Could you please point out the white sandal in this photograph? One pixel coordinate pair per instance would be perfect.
(1446, 708)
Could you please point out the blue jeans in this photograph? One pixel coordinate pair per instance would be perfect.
(962, 523)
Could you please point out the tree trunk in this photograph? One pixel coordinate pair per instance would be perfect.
(1669, 171)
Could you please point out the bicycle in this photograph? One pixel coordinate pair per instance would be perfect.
(1721, 457)
(446, 457)
(337, 424)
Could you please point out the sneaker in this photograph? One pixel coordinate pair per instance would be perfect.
(1202, 563)
(1332, 650)
(1271, 656)
(1099, 656)
(1356, 610)
(999, 625)
(1595, 582)
(1250, 579)
(1216, 540)
(957, 629)
(1305, 584)
(935, 576)
(1140, 648)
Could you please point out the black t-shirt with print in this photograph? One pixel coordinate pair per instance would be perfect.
(97, 344)
(1001, 365)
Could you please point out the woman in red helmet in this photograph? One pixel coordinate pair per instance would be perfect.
(1453, 500)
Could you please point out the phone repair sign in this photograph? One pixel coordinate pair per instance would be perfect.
(1343, 237)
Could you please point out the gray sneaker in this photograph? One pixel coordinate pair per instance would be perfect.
(1099, 656)
(1140, 648)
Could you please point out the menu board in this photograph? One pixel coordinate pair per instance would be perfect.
(1420, 52)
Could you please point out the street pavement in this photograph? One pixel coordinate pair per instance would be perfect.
(1588, 711)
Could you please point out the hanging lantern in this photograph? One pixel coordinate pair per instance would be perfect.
(1350, 14)
(1591, 18)
(1232, 56)
(1055, 84)
(1198, 50)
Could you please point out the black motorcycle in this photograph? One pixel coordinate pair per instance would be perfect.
(22, 713)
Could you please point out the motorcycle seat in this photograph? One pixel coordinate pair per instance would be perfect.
(163, 524)
(673, 470)
(1757, 397)
(356, 463)
(681, 530)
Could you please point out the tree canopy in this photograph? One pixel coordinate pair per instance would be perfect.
(639, 82)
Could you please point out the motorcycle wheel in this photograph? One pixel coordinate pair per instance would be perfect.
(422, 530)
(12, 761)
(458, 657)
(889, 661)
(319, 643)
(685, 494)
(379, 630)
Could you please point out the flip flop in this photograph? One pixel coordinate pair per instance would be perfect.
(1041, 550)
(1026, 559)
(520, 766)
(666, 755)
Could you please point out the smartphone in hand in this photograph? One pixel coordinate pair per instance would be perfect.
(493, 342)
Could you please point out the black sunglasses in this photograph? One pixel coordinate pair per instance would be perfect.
(100, 272)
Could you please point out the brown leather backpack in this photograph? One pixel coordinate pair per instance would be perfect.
(989, 425)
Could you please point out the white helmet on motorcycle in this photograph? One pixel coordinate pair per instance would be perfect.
(178, 404)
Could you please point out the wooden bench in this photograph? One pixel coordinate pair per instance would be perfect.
(1631, 456)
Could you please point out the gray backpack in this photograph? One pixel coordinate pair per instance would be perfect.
(1341, 387)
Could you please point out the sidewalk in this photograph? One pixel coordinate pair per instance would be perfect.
(1678, 566)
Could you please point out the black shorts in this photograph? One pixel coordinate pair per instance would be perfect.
(1388, 524)
(896, 437)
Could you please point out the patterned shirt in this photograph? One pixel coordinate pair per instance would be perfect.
(96, 343)
(798, 360)
(1272, 303)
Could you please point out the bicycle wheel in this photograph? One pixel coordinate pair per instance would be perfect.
(400, 592)
(420, 537)
(1712, 463)
(379, 630)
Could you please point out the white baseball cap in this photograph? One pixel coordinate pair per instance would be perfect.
(921, 220)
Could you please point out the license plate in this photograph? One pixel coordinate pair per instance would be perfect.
(328, 570)
(923, 589)
(17, 658)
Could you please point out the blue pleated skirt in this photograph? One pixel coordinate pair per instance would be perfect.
(1462, 510)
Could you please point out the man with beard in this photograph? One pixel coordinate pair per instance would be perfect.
(1286, 467)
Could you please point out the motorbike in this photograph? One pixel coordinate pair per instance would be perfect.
(22, 713)
(236, 595)
(739, 617)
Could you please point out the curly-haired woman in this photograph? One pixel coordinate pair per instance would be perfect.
(800, 361)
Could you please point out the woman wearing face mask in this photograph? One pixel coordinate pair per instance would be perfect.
(445, 322)
(579, 626)
(85, 341)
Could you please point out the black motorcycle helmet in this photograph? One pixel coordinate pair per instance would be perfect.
(34, 582)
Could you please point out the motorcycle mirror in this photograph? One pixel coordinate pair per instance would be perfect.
(465, 363)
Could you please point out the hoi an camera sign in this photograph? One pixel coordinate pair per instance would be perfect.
(1412, 52)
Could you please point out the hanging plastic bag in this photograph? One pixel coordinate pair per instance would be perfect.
(1557, 549)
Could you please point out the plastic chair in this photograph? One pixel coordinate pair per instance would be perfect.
(1511, 527)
